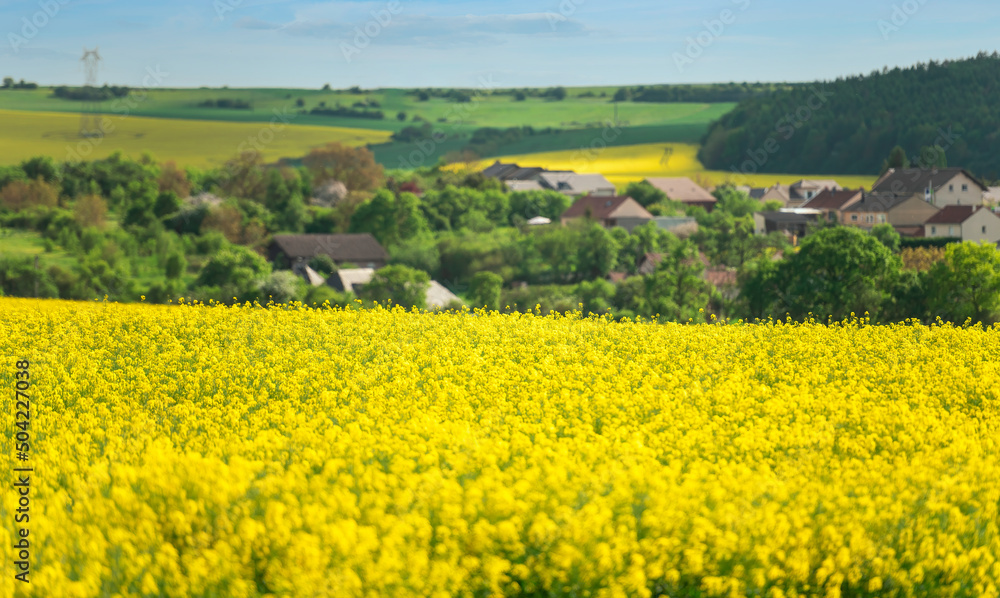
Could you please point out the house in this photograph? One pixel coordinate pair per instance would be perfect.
(359, 249)
(802, 191)
(532, 185)
(684, 190)
(512, 172)
(572, 184)
(609, 211)
(777, 192)
(906, 213)
(793, 222)
(991, 196)
(682, 227)
(311, 276)
(968, 223)
(937, 186)
(352, 280)
(832, 203)
(439, 297)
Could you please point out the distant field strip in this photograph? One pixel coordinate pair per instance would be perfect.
(622, 165)
(188, 142)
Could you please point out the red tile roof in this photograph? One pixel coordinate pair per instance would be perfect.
(952, 215)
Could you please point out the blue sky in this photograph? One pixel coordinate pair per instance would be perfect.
(419, 43)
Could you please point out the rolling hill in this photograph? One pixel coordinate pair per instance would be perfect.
(851, 125)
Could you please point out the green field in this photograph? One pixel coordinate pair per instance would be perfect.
(170, 124)
(577, 120)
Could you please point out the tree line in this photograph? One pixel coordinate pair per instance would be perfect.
(946, 106)
(139, 228)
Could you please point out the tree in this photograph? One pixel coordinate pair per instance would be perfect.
(622, 95)
(8, 82)
(243, 176)
(484, 290)
(525, 205)
(887, 236)
(389, 218)
(676, 290)
(176, 265)
(401, 116)
(280, 287)
(836, 272)
(175, 180)
(597, 253)
(595, 295)
(42, 167)
(23, 195)
(966, 284)
(90, 210)
(399, 285)
(234, 271)
(897, 159)
(646, 194)
(225, 219)
(355, 167)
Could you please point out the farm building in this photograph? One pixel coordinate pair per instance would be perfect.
(358, 249)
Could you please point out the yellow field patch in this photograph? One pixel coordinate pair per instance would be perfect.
(625, 164)
(188, 142)
(190, 451)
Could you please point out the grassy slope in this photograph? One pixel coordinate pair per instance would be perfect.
(188, 142)
(581, 118)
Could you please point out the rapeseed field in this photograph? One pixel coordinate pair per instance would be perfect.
(628, 163)
(241, 451)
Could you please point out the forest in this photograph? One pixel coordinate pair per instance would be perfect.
(949, 106)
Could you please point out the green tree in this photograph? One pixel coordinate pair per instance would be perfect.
(389, 218)
(676, 290)
(176, 265)
(836, 272)
(595, 295)
(484, 290)
(234, 271)
(398, 285)
(597, 253)
(966, 284)
(888, 236)
(897, 159)
(281, 287)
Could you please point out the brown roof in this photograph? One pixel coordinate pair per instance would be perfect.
(916, 180)
(355, 248)
(599, 208)
(952, 215)
(681, 189)
(910, 231)
(833, 200)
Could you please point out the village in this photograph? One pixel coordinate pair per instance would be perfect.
(946, 205)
